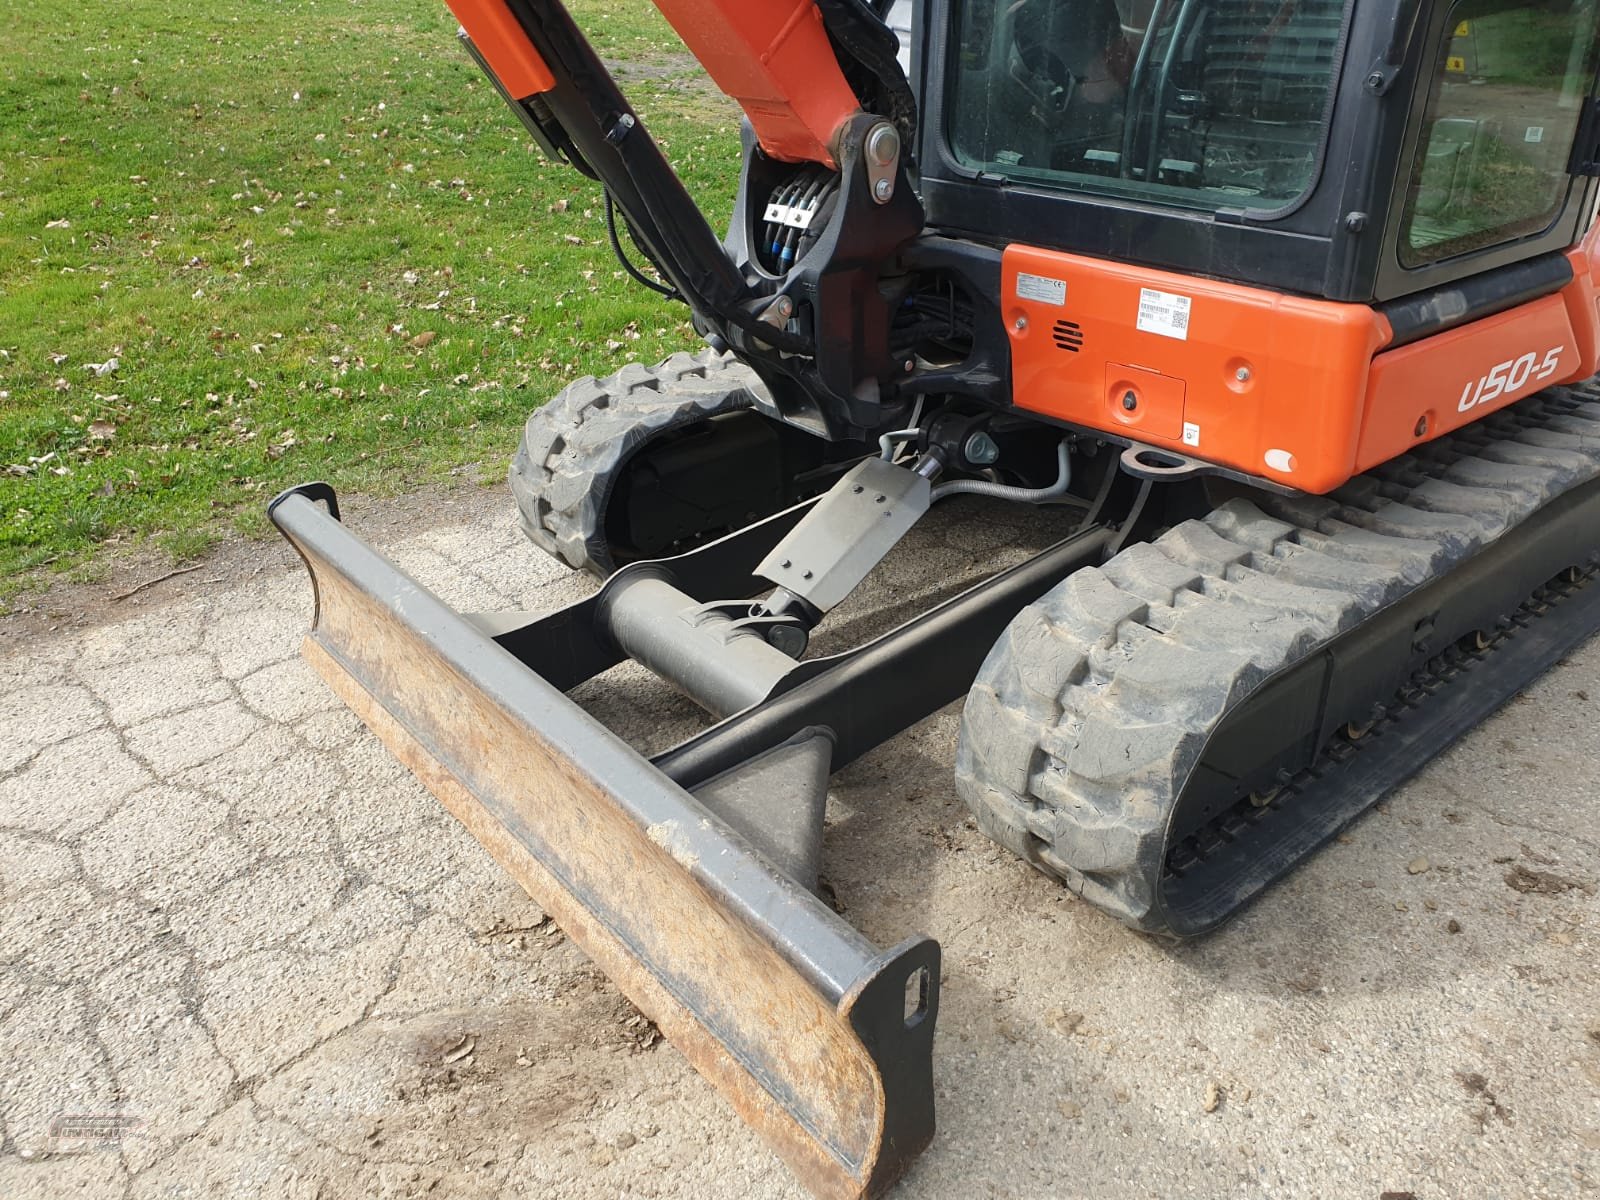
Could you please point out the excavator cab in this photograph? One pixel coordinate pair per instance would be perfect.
(1289, 303)
(1394, 155)
(1415, 168)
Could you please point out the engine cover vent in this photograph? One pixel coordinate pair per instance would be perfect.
(1067, 335)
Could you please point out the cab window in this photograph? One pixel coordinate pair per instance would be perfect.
(1509, 85)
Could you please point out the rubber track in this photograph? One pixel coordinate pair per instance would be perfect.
(1095, 704)
(575, 448)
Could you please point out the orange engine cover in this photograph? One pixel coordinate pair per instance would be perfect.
(1267, 384)
(1293, 390)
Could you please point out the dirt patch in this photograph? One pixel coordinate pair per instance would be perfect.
(1477, 1085)
(1543, 883)
(145, 577)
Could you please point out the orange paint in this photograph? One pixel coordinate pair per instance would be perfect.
(1297, 391)
(1582, 297)
(775, 60)
(1267, 384)
(1427, 389)
(500, 38)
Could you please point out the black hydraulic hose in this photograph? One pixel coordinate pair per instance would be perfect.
(661, 214)
(670, 293)
(860, 33)
(806, 202)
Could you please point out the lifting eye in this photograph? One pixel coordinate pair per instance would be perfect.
(916, 997)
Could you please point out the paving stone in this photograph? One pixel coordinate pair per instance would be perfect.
(50, 1068)
(269, 1007)
(32, 718)
(165, 844)
(170, 744)
(262, 908)
(71, 786)
(28, 863)
(168, 1071)
(246, 638)
(286, 691)
(144, 688)
(171, 629)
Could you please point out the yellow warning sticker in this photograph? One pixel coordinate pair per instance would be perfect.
(1455, 63)
(1464, 29)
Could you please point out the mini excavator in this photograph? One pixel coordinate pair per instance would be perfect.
(1294, 302)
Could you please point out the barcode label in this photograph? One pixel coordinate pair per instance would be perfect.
(1165, 313)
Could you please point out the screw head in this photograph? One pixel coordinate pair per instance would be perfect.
(1020, 324)
(1130, 401)
(883, 189)
(1242, 374)
(1422, 427)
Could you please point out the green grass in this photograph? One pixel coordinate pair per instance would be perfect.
(317, 246)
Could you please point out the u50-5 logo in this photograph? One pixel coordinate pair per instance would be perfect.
(1508, 377)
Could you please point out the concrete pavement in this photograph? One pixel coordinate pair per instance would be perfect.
(242, 952)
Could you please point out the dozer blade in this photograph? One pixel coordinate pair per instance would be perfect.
(822, 1041)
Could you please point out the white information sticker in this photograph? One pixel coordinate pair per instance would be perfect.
(1191, 434)
(1535, 134)
(1166, 313)
(1041, 288)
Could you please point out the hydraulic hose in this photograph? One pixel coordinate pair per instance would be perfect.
(1002, 491)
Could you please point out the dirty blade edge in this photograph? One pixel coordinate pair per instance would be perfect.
(792, 1014)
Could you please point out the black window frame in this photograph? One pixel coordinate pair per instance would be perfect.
(1126, 190)
(1398, 277)
(1339, 243)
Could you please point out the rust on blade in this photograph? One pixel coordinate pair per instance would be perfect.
(793, 1015)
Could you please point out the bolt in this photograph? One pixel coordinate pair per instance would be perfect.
(858, 489)
(911, 364)
(1020, 324)
(1422, 427)
(1242, 374)
(786, 564)
(621, 129)
(888, 512)
(806, 575)
(883, 144)
(882, 190)
(879, 498)
(1130, 401)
